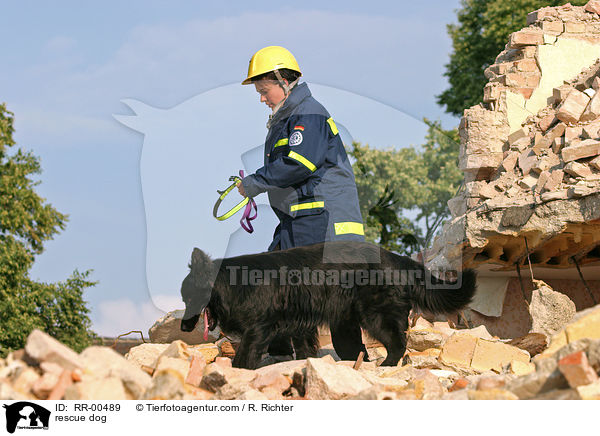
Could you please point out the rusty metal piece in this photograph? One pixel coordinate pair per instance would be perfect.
(359, 360)
(125, 334)
(521, 283)
(583, 280)
(148, 369)
(528, 259)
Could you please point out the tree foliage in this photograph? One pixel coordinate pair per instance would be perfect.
(479, 36)
(392, 183)
(26, 221)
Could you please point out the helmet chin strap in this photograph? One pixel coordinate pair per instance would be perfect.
(286, 90)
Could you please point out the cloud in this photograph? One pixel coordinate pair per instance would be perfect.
(397, 60)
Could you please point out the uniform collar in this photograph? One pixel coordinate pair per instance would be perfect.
(297, 94)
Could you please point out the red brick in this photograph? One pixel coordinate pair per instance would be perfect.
(526, 37)
(194, 375)
(560, 93)
(574, 27)
(527, 65)
(461, 383)
(581, 149)
(572, 133)
(556, 178)
(64, 381)
(491, 93)
(552, 27)
(577, 170)
(546, 122)
(572, 108)
(525, 92)
(534, 16)
(592, 111)
(557, 144)
(593, 6)
(223, 361)
(577, 370)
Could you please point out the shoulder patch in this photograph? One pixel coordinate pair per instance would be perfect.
(295, 138)
(299, 127)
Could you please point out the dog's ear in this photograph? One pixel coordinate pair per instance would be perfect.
(203, 269)
(200, 260)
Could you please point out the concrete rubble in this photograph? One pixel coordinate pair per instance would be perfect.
(467, 364)
(530, 152)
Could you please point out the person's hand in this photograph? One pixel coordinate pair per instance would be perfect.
(241, 189)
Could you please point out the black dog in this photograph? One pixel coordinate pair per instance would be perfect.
(292, 292)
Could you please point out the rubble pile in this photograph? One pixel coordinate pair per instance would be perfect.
(530, 152)
(440, 363)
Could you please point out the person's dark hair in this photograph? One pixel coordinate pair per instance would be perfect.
(287, 74)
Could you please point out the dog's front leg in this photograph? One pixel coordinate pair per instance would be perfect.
(254, 342)
(306, 344)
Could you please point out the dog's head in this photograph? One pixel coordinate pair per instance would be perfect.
(196, 288)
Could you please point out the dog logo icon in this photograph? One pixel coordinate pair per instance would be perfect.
(26, 415)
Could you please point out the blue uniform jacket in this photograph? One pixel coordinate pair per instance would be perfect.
(307, 176)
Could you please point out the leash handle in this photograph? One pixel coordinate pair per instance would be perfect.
(246, 217)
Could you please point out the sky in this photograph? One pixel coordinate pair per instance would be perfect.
(137, 114)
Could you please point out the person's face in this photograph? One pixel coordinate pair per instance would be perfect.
(270, 92)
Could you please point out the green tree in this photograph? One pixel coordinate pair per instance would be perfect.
(481, 33)
(391, 182)
(26, 221)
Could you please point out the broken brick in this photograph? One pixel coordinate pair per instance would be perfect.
(458, 350)
(527, 159)
(517, 134)
(573, 133)
(577, 370)
(510, 160)
(490, 355)
(593, 6)
(542, 180)
(554, 181)
(560, 93)
(581, 149)
(64, 381)
(194, 375)
(572, 108)
(525, 92)
(589, 392)
(546, 122)
(461, 383)
(526, 65)
(528, 182)
(557, 144)
(592, 111)
(595, 163)
(577, 170)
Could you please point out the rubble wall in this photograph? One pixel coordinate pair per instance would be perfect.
(530, 152)
(515, 320)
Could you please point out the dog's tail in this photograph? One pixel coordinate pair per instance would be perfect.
(439, 296)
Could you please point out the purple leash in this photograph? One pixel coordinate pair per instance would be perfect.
(247, 225)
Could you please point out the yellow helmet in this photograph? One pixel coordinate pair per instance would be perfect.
(270, 59)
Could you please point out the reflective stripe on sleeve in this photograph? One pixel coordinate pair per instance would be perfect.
(281, 142)
(303, 206)
(304, 161)
(332, 126)
(349, 227)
